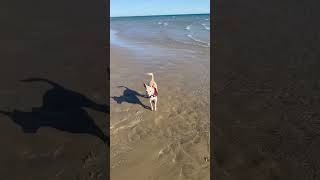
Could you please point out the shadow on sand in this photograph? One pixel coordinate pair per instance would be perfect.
(62, 109)
(129, 96)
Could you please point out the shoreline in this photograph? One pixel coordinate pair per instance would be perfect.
(177, 134)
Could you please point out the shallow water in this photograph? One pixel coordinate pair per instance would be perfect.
(186, 29)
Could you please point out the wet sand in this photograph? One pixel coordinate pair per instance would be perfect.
(171, 143)
(266, 91)
(53, 131)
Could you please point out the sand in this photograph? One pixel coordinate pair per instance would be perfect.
(171, 143)
(52, 131)
(266, 91)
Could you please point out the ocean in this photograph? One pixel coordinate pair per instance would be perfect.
(192, 30)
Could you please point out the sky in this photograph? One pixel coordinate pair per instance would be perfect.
(158, 7)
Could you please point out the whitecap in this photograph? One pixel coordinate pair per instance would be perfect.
(202, 43)
(206, 27)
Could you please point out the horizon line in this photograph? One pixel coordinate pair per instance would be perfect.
(162, 15)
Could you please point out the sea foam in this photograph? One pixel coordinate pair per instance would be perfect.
(206, 26)
(188, 27)
(202, 43)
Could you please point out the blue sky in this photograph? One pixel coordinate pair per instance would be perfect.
(158, 7)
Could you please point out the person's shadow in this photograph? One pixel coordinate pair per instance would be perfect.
(129, 96)
(62, 109)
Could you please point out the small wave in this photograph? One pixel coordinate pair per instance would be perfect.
(165, 24)
(113, 32)
(188, 27)
(189, 43)
(207, 19)
(205, 26)
(159, 22)
(202, 43)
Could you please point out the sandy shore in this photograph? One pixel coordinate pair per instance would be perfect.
(52, 131)
(266, 91)
(171, 143)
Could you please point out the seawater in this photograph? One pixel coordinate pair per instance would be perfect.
(193, 29)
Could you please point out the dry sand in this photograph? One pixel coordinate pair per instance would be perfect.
(171, 143)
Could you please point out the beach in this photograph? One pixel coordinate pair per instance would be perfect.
(53, 91)
(172, 142)
(266, 91)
